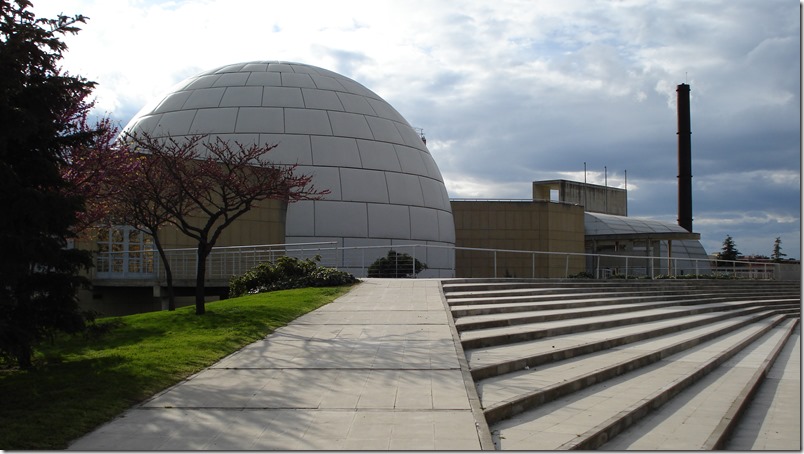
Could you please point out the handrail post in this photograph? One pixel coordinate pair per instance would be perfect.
(495, 264)
(566, 266)
(413, 262)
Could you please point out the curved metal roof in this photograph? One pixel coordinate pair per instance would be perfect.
(607, 226)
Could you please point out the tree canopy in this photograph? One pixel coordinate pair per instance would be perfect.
(179, 181)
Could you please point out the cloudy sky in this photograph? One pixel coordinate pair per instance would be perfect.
(509, 91)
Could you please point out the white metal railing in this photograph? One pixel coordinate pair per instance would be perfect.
(226, 262)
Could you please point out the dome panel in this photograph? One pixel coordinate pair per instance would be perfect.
(411, 161)
(350, 125)
(297, 80)
(290, 149)
(335, 151)
(424, 223)
(385, 110)
(264, 79)
(343, 219)
(282, 97)
(325, 178)
(211, 121)
(446, 227)
(205, 97)
(279, 67)
(302, 216)
(255, 67)
(388, 221)
(174, 101)
(404, 189)
(321, 99)
(432, 168)
(231, 80)
(378, 155)
(305, 121)
(146, 124)
(242, 96)
(175, 123)
(431, 189)
(260, 119)
(202, 82)
(327, 83)
(230, 68)
(356, 104)
(360, 185)
(384, 130)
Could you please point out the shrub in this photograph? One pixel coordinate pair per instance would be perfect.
(395, 265)
(287, 273)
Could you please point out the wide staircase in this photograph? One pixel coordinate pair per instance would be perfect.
(622, 364)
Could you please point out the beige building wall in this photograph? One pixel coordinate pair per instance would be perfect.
(594, 198)
(517, 226)
(263, 224)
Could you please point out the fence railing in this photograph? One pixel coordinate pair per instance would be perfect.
(226, 262)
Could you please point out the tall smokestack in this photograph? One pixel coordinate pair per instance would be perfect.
(684, 158)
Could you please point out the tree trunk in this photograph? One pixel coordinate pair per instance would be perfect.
(168, 273)
(201, 271)
(23, 355)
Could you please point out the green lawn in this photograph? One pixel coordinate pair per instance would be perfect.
(80, 383)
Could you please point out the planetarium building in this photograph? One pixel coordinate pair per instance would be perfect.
(385, 189)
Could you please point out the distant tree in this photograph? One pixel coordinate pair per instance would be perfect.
(777, 254)
(41, 119)
(729, 250)
(214, 181)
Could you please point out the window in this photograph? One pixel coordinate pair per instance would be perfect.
(124, 251)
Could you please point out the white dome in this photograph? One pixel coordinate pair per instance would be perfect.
(386, 188)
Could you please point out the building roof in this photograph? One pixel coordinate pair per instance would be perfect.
(600, 226)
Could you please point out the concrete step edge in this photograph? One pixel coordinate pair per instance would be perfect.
(532, 334)
(600, 434)
(524, 402)
(717, 439)
(502, 368)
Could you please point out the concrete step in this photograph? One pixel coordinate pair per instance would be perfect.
(559, 299)
(493, 361)
(702, 416)
(531, 294)
(617, 306)
(529, 331)
(587, 417)
(506, 395)
(451, 287)
(772, 420)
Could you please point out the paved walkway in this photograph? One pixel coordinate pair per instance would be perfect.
(377, 369)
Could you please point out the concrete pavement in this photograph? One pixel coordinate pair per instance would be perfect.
(378, 369)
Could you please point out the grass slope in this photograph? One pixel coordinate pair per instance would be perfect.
(80, 383)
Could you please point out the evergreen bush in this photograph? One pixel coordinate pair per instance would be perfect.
(287, 273)
(396, 265)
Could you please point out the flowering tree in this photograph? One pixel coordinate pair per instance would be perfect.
(180, 181)
(92, 170)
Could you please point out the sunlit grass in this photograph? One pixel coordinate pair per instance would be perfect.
(80, 383)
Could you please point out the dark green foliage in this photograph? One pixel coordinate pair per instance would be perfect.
(581, 275)
(728, 251)
(41, 119)
(287, 273)
(777, 254)
(395, 265)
